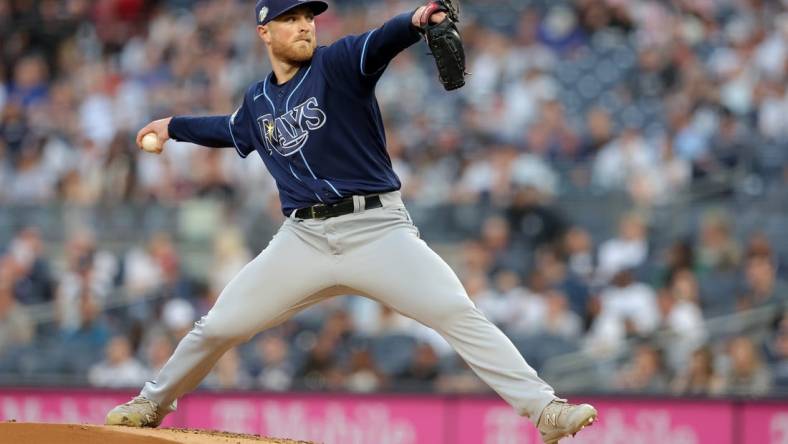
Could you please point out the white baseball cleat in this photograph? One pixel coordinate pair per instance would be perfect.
(560, 419)
(139, 412)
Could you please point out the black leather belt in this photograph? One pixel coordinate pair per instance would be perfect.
(344, 206)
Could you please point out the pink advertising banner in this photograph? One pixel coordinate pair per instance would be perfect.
(323, 419)
(392, 419)
(765, 423)
(621, 421)
(60, 406)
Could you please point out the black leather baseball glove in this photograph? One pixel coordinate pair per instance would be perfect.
(445, 42)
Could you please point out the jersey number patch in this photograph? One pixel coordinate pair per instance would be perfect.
(288, 133)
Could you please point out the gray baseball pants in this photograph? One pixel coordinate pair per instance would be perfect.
(376, 253)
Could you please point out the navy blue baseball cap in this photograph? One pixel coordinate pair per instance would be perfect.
(267, 10)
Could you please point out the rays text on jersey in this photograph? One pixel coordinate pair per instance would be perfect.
(288, 133)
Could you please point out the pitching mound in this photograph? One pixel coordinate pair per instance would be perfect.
(24, 433)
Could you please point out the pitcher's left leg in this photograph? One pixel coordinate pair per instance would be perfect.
(401, 271)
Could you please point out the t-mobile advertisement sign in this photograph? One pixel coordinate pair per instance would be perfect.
(341, 420)
(620, 422)
(344, 419)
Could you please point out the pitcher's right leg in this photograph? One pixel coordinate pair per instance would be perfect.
(286, 277)
(401, 271)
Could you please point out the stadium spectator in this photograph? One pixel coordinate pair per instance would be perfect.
(699, 377)
(158, 350)
(82, 253)
(487, 177)
(32, 183)
(322, 368)
(678, 257)
(229, 374)
(16, 327)
(119, 368)
(626, 251)
(387, 322)
(551, 137)
(474, 257)
(747, 372)
(272, 354)
(623, 160)
(598, 132)
(524, 96)
(559, 321)
(486, 299)
(533, 219)
(577, 247)
(778, 352)
(528, 306)
(79, 298)
(561, 30)
(762, 287)
(230, 255)
(178, 317)
(730, 150)
(681, 318)
(496, 239)
(423, 370)
(34, 283)
(628, 309)
(85, 334)
(717, 249)
(145, 269)
(363, 374)
(30, 81)
(118, 181)
(644, 373)
(560, 277)
(660, 184)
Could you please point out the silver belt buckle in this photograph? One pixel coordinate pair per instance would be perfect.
(312, 210)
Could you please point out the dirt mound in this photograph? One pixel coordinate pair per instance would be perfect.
(25, 433)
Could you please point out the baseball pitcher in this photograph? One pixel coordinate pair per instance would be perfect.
(315, 123)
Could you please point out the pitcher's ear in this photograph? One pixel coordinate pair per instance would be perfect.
(264, 33)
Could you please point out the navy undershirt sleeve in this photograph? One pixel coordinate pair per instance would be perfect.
(210, 131)
(389, 40)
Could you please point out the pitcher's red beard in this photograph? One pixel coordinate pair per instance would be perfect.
(298, 52)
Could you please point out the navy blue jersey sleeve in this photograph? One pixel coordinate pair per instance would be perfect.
(210, 131)
(216, 131)
(357, 62)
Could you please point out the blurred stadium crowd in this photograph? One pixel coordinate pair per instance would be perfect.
(655, 103)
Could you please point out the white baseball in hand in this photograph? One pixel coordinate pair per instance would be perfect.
(150, 143)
